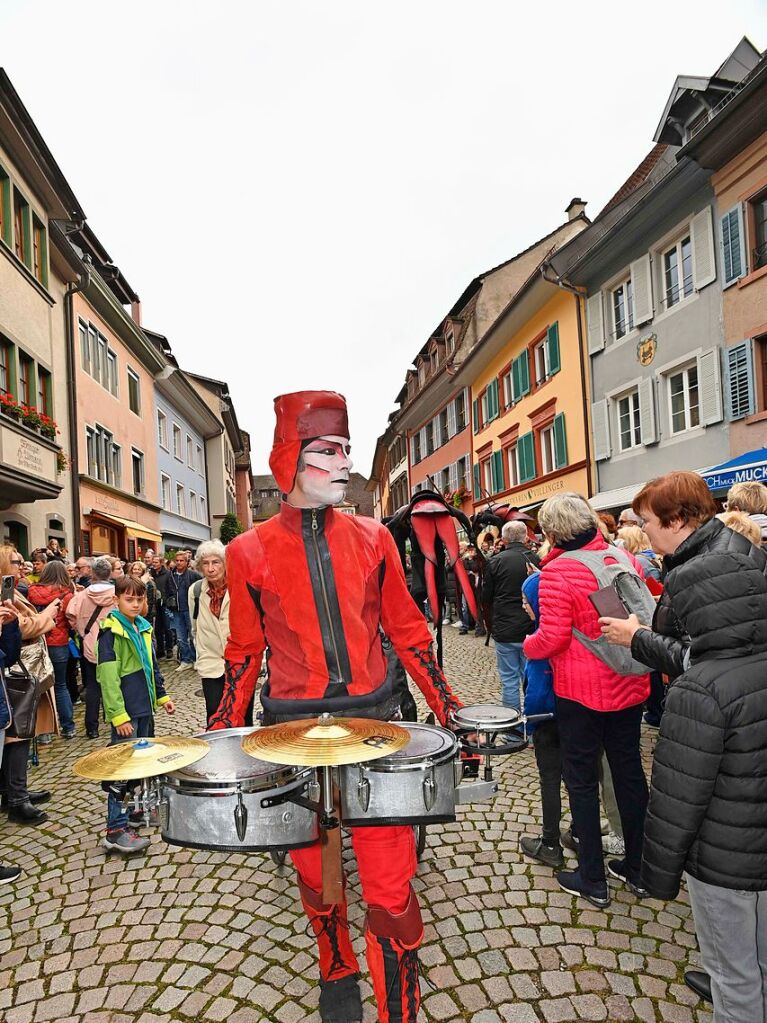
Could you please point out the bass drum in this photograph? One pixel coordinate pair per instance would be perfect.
(416, 785)
(234, 803)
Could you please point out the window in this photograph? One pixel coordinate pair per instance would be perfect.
(104, 456)
(759, 220)
(683, 398)
(112, 382)
(203, 510)
(512, 465)
(165, 491)
(44, 402)
(180, 501)
(193, 504)
(461, 471)
(487, 476)
(85, 347)
(137, 460)
(422, 373)
(97, 358)
(26, 380)
(520, 377)
(189, 452)
(114, 466)
(443, 427)
(39, 252)
(449, 340)
(162, 429)
(629, 423)
(508, 395)
(5, 207)
(429, 428)
(434, 360)
(134, 392)
(6, 367)
(623, 309)
(547, 449)
(177, 442)
(200, 464)
(677, 272)
(542, 366)
(21, 227)
(415, 444)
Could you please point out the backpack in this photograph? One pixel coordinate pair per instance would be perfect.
(634, 595)
(196, 591)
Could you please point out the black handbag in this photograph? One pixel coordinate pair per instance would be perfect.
(24, 694)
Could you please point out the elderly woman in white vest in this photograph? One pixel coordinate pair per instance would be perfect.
(209, 613)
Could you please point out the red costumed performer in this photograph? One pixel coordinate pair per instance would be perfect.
(312, 586)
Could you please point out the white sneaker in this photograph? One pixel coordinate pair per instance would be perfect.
(184, 666)
(612, 844)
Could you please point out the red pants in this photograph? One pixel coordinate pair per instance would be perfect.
(386, 860)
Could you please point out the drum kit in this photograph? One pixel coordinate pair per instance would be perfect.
(286, 786)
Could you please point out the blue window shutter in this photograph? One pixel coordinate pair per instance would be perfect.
(526, 448)
(739, 380)
(560, 441)
(731, 245)
(553, 343)
(477, 486)
(524, 373)
(475, 414)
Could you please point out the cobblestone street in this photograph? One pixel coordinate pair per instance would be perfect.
(185, 935)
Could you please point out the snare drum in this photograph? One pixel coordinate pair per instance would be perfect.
(232, 802)
(416, 785)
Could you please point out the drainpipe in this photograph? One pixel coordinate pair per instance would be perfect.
(577, 294)
(74, 447)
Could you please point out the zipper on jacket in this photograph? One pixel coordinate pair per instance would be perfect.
(323, 587)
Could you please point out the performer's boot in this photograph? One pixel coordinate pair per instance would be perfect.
(340, 1000)
(392, 954)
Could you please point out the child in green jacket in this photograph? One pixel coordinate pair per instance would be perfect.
(131, 689)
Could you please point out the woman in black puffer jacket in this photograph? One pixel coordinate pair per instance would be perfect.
(708, 802)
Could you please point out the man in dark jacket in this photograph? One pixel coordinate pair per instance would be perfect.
(163, 636)
(504, 613)
(177, 589)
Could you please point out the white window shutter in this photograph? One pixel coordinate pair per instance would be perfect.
(702, 241)
(710, 380)
(600, 423)
(647, 424)
(453, 476)
(641, 282)
(451, 424)
(436, 426)
(596, 324)
(412, 450)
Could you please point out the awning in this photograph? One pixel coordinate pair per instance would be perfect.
(133, 530)
(622, 497)
(748, 468)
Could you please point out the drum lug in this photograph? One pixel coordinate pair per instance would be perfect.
(163, 814)
(240, 817)
(363, 791)
(429, 790)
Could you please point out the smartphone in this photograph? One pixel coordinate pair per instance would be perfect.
(608, 604)
(6, 590)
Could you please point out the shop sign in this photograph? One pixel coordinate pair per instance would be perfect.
(646, 349)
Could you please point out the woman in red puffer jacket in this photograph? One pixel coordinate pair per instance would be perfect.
(596, 708)
(55, 585)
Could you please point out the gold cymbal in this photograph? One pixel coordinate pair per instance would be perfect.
(325, 741)
(141, 758)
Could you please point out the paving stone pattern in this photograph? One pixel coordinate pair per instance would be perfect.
(187, 935)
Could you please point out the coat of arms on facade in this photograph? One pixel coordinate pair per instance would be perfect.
(646, 349)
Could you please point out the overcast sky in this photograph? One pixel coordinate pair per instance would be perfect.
(299, 190)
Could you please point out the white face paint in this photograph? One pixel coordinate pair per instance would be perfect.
(325, 474)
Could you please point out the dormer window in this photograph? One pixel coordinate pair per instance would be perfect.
(693, 126)
(422, 372)
(449, 340)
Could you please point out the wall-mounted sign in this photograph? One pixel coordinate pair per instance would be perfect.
(646, 349)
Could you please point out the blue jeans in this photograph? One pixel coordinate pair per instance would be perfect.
(511, 667)
(182, 625)
(117, 815)
(59, 656)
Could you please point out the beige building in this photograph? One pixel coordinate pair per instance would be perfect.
(35, 272)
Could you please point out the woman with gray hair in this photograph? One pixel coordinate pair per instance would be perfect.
(596, 707)
(209, 614)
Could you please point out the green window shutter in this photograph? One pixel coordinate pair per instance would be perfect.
(492, 400)
(27, 221)
(560, 441)
(496, 461)
(553, 342)
(5, 200)
(475, 415)
(477, 487)
(526, 449)
(516, 387)
(524, 373)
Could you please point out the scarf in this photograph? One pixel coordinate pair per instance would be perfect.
(135, 637)
(578, 541)
(216, 595)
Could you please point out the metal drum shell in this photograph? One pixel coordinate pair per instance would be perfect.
(198, 812)
(395, 787)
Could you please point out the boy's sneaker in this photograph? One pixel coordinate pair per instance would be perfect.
(613, 844)
(135, 818)
(8, 874)
(125, 842)
(617, 868)
(548, 853)
(597, 893)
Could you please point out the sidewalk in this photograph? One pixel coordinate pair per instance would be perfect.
(188, 935)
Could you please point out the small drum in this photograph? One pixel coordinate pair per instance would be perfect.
(487, 717)
(416, 785)
(232, 802)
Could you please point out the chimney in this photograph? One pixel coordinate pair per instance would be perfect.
(576, 207)
(135, 309)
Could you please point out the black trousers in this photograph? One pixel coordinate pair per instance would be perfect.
(213, 690)
(162, 635)
(92, 696)
(656, 701)
(73, 679)
(548, 757)
(583, 735)
(14, 771)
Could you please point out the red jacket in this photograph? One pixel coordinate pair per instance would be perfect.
(315, 598)
(41, 597)
(564, 605)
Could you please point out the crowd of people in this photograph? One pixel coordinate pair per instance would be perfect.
(691, 663)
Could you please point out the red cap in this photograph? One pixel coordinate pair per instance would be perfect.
(301, 416)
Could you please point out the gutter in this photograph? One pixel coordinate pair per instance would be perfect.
(74, 447)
